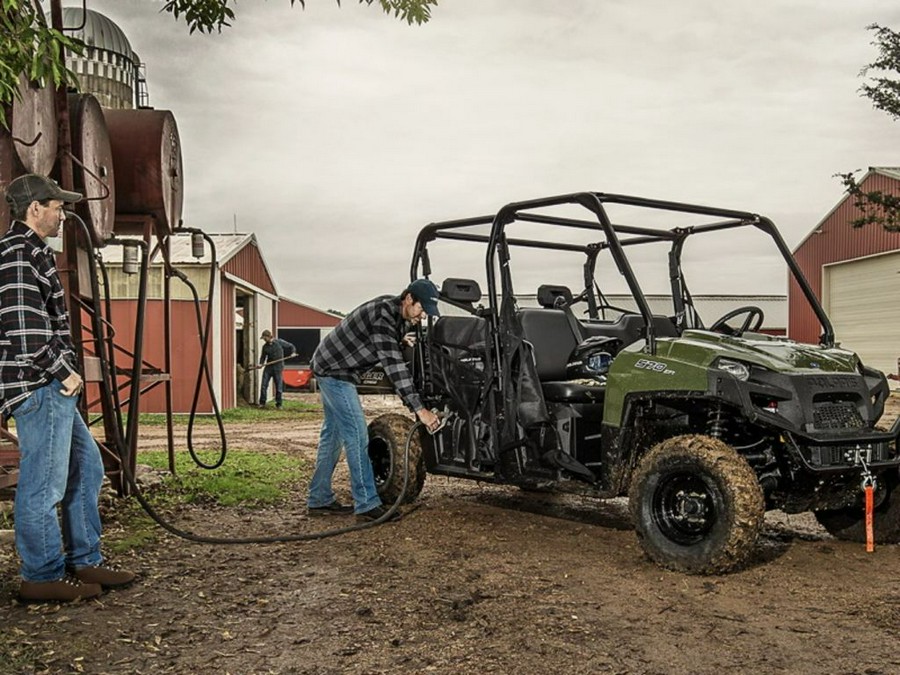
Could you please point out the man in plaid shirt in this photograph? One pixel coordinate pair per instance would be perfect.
(59, 462)
(371, 334)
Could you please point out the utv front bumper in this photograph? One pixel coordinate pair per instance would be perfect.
(826, 420)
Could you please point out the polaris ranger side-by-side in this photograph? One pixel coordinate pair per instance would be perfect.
(703, 428)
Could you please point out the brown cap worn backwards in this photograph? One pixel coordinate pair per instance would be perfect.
(36, 188)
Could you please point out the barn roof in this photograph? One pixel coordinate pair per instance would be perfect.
(227, 246)
(236, 254)
(892, 172)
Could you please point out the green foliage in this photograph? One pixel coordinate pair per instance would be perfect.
(884, 90)
(235, 415)
(21, 652)
(247, 479)
(28, 45)
(207, 16)
(876, 207)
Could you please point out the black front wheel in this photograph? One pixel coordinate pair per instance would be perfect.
(697, 505)
(388, 435)
(849, 523)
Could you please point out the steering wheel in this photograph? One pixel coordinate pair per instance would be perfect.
(752, 322)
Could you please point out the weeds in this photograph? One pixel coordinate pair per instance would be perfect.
(247, 479)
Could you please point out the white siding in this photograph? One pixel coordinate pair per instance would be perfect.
(862, 298)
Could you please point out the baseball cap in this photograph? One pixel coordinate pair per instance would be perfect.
(427, 293)
(266, 333)
(33, 187)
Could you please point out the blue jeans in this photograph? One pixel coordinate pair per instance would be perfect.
(278, 376)
(59, 463)
(344, 424)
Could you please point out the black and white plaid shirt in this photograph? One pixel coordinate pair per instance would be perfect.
(35, 342)
(368, 336)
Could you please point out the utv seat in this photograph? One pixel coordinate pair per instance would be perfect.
(553, 341)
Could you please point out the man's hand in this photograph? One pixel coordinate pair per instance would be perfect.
(429, 419)
(409, 339)
(72, 385)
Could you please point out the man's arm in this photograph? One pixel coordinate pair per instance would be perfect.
(289, 349)
(390, 357)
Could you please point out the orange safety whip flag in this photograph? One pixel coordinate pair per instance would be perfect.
(869, 487)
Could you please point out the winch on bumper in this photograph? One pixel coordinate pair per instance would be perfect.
(825, 420)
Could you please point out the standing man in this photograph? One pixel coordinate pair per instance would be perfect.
(371, 334)
(59, 462)
(274, 354)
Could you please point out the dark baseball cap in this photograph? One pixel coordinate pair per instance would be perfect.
(426, 293)
(33, 187)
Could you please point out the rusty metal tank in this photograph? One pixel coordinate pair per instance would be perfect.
(34, 127)
(93, 165)
(8, 171)
(147, 154)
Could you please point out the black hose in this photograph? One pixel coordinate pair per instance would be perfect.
(205, 332)
(201, 539)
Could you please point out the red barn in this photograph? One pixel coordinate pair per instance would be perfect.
(245, 302)
(856, 275)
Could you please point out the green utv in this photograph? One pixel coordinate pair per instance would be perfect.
(703, 428)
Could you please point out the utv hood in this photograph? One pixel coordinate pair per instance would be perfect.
(775, 354)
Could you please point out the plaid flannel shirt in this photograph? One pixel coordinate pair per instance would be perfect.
(35, 342)
(368, 336)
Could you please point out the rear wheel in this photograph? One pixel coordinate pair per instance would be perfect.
(388, 435)
(849, 523)
(697, 505)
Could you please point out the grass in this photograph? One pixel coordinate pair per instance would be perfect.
(21, 652)
(247, 479)
(241, 414)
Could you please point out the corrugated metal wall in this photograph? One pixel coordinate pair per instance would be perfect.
(247, 264)
(835, 240)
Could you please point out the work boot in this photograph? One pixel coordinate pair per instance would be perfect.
(104, 576)
(333, 509)
(61, 590)
(375, 514)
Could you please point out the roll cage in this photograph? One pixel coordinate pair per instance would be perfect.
(612, 236)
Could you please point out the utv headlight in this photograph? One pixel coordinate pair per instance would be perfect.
(734, 368)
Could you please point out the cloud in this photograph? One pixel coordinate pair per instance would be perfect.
(336, 134)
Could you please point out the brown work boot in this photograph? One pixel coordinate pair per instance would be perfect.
(104, 576)
(62, 590)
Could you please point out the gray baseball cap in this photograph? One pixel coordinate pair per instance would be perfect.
(33, 187)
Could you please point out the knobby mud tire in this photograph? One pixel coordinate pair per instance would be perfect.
(697, 465)
(387, 450)
(849, 524)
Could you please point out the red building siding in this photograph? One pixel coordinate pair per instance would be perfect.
(185, 352)
(247, 264)
(294, 315)
(836, 240)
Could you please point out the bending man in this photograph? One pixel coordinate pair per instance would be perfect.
(371, 334)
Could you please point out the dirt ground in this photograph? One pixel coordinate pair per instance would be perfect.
(477, 579)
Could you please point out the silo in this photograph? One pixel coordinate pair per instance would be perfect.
(108, 69)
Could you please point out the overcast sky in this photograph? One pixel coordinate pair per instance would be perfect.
(334, 134)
